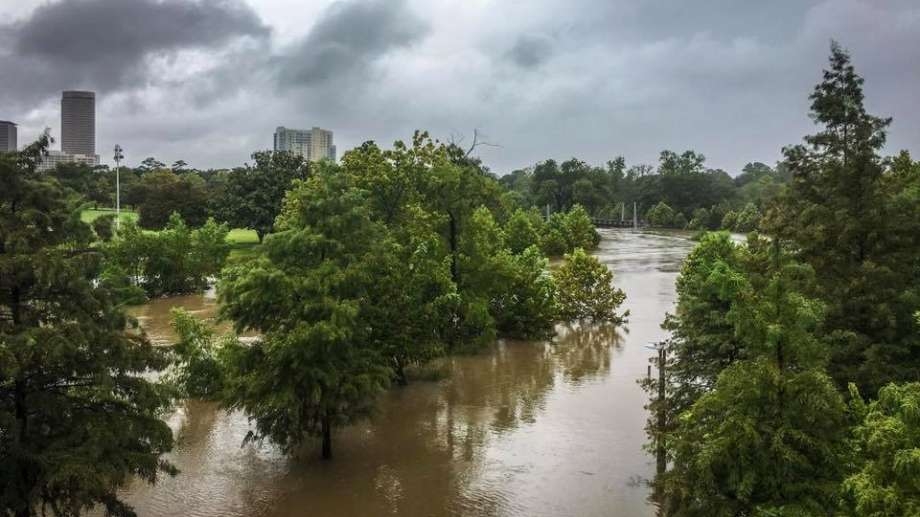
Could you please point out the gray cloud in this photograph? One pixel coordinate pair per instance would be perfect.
(596, 79)
(346, 40)
(531, 50)
(109, 44)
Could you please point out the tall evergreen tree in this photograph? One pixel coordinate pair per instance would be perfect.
(768, 438)
(77, 419)
(863, 248)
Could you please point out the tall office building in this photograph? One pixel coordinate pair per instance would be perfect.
(78, 123)
(313, 144)
(7, 136)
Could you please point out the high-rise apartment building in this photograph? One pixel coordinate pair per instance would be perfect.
(313, 144)
(78, 123)
(55, 158)
(7, 136)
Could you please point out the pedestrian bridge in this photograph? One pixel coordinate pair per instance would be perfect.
(612, 223)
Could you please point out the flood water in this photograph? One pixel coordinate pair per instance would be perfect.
(524, 429)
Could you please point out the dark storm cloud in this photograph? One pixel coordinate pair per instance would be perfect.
(205, 81)
(107, 44)
(346, 40)
(531, 50)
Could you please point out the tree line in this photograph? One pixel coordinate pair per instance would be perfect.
(776, 344)
(681, 192)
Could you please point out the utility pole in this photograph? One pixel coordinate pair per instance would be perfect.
(661, 455)
(119, 156)
(635, 217)
(661, 421)
(622, 211)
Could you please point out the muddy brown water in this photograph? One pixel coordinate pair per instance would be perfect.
(523, 429)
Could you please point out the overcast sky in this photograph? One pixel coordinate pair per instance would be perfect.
(207, 81)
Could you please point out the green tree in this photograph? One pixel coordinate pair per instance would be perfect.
(77, 417)
(747, 219)
(174, 260)
(839, 215)
(151, 164)
(165, 193)
(887, 449)
(313, 369)
(525, 307)
(523, 230)
(585, 290)
(660, 215)
(252, 196)
(179, 166)
(104, 226)
(700, 219)
(198, 370)
(768, 439)
(703, 341)
(566, 231)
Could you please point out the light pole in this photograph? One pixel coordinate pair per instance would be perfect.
(119, 156)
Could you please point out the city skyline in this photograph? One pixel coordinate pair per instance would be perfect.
(208, 81)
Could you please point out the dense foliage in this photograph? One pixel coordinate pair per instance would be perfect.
(77, 419)
(887, 443)
(857, 224)
(383, 262)
(175, 260)
(680, 193)
(749, 417)
(586, 291)
(251, 196)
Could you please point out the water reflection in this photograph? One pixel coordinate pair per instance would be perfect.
(526, 428)
(584, 351)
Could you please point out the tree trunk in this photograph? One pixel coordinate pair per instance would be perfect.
(454, 268)
(327, 437)
(400, 373)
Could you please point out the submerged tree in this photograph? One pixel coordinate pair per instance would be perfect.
(585, 290)
(314, 368)
(77, 418)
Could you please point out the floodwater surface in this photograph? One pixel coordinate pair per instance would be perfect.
(522, 429)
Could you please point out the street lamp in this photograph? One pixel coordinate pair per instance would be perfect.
(119, 156)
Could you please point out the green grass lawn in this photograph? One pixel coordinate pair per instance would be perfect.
(242, 237)
(238, 237)
(88, 216)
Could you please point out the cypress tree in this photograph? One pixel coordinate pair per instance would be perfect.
(77, 419)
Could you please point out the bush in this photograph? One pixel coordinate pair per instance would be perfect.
(104, 226)
(175, 260)
(660, 215)
(585, 290)
(566, 231)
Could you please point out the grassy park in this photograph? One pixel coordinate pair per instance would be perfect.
(243, 240)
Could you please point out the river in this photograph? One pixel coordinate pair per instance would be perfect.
(523, 429)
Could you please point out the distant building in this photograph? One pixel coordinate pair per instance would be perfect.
(7, 136)
(78, 123)
(313, 144)
(55, 157)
